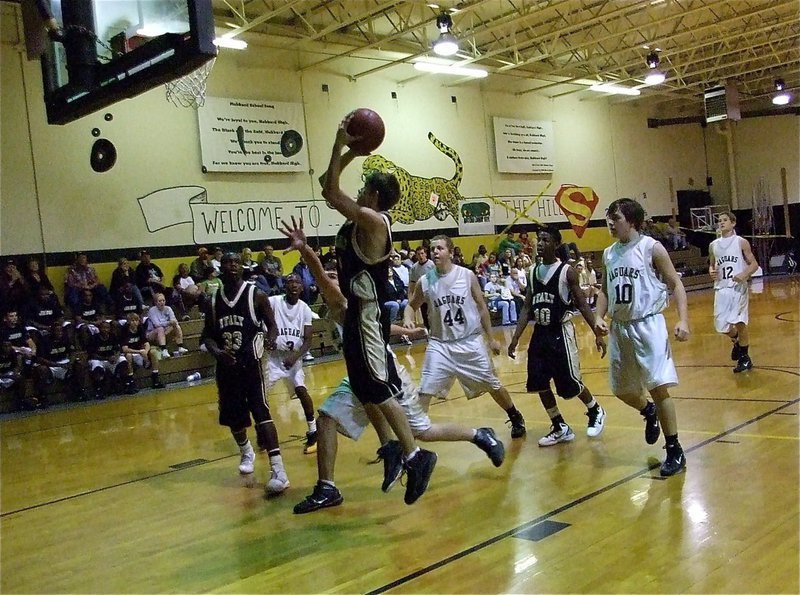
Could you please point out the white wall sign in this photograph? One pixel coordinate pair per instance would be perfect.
(524, 146)
(247, 135)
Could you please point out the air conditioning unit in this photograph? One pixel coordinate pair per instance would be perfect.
(722, 103)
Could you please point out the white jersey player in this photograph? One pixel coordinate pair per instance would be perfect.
(732, 264)
(458, 317)
(639, 350)
(293, 321)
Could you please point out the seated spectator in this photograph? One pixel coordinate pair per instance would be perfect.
(161, 324)
(13, 288)
(41, 312)
(11, 377)
(479, 273)
(480, 257)
(407, 259)
(122, 275)
(506, 262)
(517, 289)
(330, 256)
(128, 302)
(136, 350)
(105, 363)
(395, 261)
(675, 238)
(185, 292)
(35, 277)
(310, 289)
(458, 257)
(527, 247)
(82, 277)
(396, 296)
(249, 266)
(58, 360)
(197, 270)
(87, 313)
(215, 261)
(499, 298)
(272, 269)
(492, 267)
(592, 286)
(210, 284)
(13, 331)
(509, 242)
(149, 277)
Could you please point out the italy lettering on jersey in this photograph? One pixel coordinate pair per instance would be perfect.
(236, 327)
(452, 311)
(551, 303)
(728, 259)
(291, 320)
(634, 289)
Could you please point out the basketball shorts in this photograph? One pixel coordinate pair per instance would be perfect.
(61, 371)
(241, 393)
(370, 366)
(553, 355)
(466, 360)
(275, 371)
(731, 305)
(106, 365)
(640, 356)
(351, 419)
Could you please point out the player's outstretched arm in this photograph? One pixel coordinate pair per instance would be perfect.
(522, 321)
(298, 241)
(483, 311)
(580, 301)
(666, 270)
(750, 259)
(414, 303)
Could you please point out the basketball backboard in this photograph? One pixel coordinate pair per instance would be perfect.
(116, 49)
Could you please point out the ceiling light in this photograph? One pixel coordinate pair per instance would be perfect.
(782, 97)
(614, 89)
(446, 44)
(451, 69)
(230, 42)
(654, 76)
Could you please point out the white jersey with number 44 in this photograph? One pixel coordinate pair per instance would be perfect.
(634, 289)
(452, 311)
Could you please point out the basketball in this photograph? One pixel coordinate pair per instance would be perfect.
(368, 126)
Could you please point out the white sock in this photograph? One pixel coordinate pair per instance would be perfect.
(591, 404)
(312, 425)
(276, 461)
(413, 454)
(327, 482)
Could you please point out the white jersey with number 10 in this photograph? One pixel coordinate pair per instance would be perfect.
(452, 311)
(634, 290)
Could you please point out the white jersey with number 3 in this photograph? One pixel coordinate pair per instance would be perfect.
(728, 259)
(634, 290)
(291, 321)
(452, 311)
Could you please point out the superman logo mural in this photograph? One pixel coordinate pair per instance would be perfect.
(577, 203)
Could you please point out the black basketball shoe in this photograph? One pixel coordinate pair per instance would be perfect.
(517, 422)
(652, 429)
(392, 455)
(486, 440)
(675, 461)
(745, 363)
(324, 496)
(419, 471)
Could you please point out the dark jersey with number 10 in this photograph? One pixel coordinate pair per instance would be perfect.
(551, 304)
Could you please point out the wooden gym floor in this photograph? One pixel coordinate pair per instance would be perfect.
(142, 494)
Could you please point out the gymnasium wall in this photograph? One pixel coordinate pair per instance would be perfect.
(52, 201)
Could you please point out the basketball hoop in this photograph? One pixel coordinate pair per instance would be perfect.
(190, 90)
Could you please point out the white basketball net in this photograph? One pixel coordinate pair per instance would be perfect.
(190, 90)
